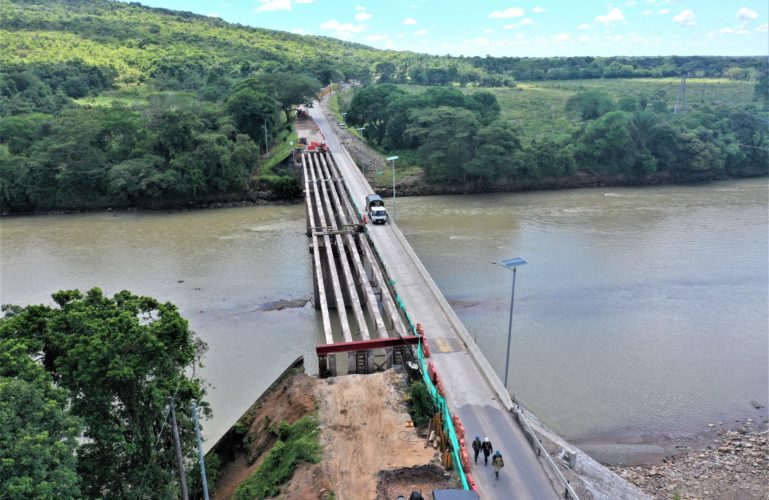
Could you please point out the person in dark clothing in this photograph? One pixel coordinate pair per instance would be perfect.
(477, 447)
(487, 449)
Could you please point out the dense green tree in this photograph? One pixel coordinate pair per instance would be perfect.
(495, 155)
(589, 105)
(399, 112)
(119, 358)
(606, 145)
(255, 113)
(37, 431)
(448, 137)
(288, 89)
(369, 107)
(553, 157)
(486, 105)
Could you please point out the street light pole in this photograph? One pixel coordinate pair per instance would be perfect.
(392, 159)
(511, 264)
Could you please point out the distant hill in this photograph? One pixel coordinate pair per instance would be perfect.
(186, 50)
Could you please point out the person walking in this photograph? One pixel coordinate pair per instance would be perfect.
(487, 449)
(498, 463)
(477, 447)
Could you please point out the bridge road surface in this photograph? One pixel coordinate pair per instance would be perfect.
(468, 392)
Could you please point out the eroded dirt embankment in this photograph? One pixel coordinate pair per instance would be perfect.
(365, 431)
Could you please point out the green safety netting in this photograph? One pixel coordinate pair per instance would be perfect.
(439, 401)
(448, 424)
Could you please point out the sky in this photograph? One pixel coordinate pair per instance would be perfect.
(526, 28)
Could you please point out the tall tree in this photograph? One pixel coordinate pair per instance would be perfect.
(37, 431)
(589, 105)
(288, 89)
(369, 107)
(255, 113)
(119, 358)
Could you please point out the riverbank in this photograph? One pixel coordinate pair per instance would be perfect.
(717, 463)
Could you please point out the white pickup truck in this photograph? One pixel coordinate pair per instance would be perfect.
(375, 209)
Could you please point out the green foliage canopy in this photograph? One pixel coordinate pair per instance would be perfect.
(118, 359)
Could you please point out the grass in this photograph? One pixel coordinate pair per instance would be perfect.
(537, 108)
(297, 443)
(280, 150)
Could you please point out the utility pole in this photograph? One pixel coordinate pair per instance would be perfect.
(681, 95)
(179, 460)
(266, 145)
(200, 452)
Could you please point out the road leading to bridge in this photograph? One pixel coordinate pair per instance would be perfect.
(471, 386)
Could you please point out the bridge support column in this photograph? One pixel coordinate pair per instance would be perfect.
(327, 365)
(351, 365)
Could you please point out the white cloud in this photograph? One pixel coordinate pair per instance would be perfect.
(584, 26)
(763, 28)
(271, 5)
(488, 31)
(409, 21)
(342, 30)
(630, 3)
(507, 13)
(663, 11)
(524, 22)
(298, 31)
(304, 1)
(360, 7)
(538, 10)
(520, 36)
(647, 12)
(585, 38)
(420, 32)
(563, 37)
(685, 18)
(614, 15)
(363, 16)
(746, 13)
(730, 31)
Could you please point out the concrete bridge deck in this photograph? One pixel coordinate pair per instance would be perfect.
(474, 391)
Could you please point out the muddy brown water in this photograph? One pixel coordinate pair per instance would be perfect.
(641, 310)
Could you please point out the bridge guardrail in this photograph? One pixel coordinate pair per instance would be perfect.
(483, 364)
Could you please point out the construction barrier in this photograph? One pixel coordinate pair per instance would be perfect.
(465, 459)
(448, 425)
(471, 483)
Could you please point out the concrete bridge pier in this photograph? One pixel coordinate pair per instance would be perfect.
(327, 365)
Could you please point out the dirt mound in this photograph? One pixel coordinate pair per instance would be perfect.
(366, 429)
(423, 479)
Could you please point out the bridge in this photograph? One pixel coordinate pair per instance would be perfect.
(374, 266)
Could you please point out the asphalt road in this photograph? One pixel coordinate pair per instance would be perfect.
(469, 391)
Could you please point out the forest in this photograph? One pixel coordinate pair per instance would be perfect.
(459, 138)
(106, 104)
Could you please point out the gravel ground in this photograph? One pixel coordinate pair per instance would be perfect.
(733, 465)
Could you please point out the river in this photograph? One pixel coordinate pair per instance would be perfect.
(641, 310)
